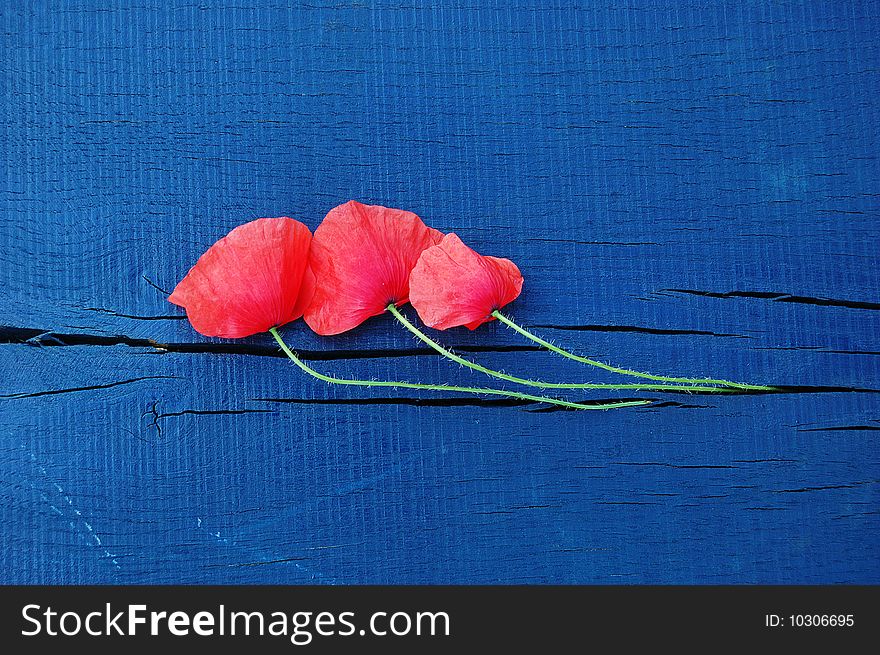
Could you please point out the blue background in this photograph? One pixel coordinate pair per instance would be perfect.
(689, 188)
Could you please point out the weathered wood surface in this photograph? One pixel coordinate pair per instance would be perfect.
(687, 189)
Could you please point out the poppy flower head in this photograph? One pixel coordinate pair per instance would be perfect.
(362, 256)
(254, 278)
(452, 285)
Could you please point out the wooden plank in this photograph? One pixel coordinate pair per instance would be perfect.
(184, 479)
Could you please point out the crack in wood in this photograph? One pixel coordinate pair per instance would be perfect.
(678, 466)
(160, 416)
(603, 401)
(594, 243)
(46, 338)
(138, 317)
(818, 349)
(416, 402)
(165, 292)
(214, 412)
(778, 390)
(856, 428)
(639, 330)
(437, 402)
(53, 392)
(771, 460)
(827, 487)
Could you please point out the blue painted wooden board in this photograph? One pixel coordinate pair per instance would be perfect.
(688, 188)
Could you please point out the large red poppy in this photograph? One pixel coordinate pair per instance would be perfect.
(452, 285)
(254, 278)
(362, 256)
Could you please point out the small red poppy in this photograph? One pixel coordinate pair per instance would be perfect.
(254, 278)
(362, 256)
(452, 285)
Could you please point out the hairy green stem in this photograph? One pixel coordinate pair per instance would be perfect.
(442, 387)
(539, 383)
(624, 371)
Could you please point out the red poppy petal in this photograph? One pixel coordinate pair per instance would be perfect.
(249, 281)
(362, 256)
(452, 285)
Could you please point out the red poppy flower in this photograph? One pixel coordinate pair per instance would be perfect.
(254, 278)
(452, 285)
(362, 256)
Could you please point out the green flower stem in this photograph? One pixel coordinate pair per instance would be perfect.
(614, 369)
(538, 383)
(442, 387)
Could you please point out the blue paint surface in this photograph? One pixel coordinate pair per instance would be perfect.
(640, 161)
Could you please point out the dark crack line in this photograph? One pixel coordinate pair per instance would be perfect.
(157, 416)
(624, 502)
(154, 412)
(45, 338)
(678, 466)
(416, 402)
(781, 297)
(431, 402)
(138, 317)
(828, 487)
(594, 243)
(89, 388)
(603, 401)
(638, 330)
(777, 391)
(156, 286)
(214, 412)
(283, 560)
(842, 428)
(820, 389)
(857, 514)
(818, 349)
(672, 403)
(765, 461)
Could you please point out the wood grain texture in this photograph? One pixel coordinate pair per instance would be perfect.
(688, 188)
